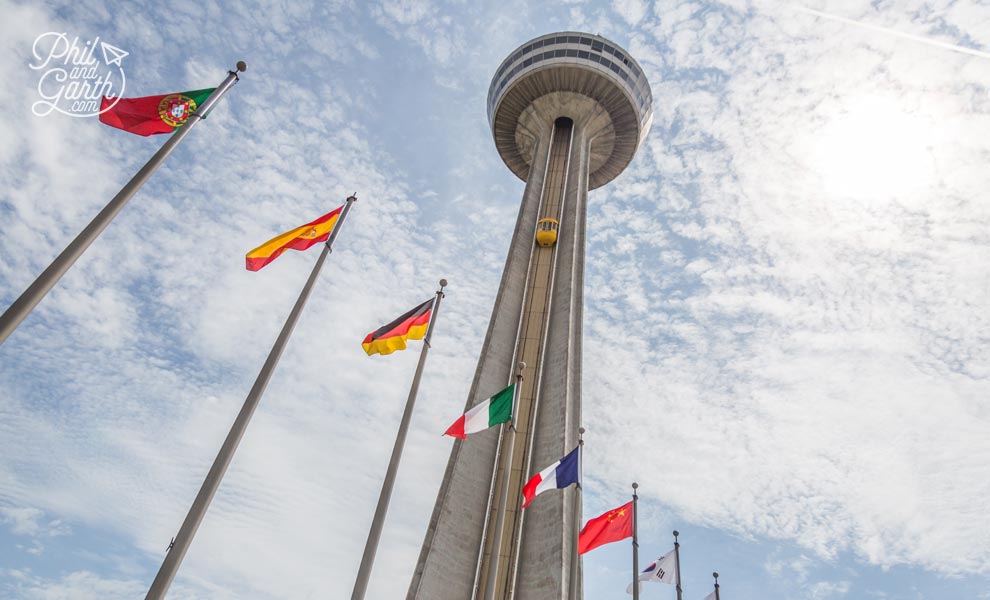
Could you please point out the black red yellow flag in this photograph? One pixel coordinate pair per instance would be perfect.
(410, 326)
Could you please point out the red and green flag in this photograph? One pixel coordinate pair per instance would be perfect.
(152, 114)
(491, 412)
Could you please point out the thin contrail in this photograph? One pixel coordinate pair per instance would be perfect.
(916, 38)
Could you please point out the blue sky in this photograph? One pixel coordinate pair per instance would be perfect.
(786, 331)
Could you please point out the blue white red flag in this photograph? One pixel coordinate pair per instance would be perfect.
(557, 476)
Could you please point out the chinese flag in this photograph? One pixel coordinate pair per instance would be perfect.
(615, 525)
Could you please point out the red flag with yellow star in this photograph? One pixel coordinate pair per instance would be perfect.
(299, 238)
(615, 525)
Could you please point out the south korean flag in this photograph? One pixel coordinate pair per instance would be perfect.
(663, 570)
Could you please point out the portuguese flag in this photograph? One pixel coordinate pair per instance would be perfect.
(491, 412)
(410, 326)
(151, 114)
(300, 238)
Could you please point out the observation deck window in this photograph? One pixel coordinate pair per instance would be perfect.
(593, 51)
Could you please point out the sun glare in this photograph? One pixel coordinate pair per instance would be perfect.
(874, 150)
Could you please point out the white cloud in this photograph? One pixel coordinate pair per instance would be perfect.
(828, 589)
(632, 11)
(822, 357)
(31, 522)
(22, 521)
(81, 585)
(424, 23)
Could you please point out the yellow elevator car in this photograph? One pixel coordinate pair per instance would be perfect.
(546, 232)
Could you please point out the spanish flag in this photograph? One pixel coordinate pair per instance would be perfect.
(410, 326)
(299, 238)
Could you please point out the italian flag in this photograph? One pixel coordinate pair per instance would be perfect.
(491, 412)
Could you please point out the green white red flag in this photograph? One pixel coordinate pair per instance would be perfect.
(491, 412)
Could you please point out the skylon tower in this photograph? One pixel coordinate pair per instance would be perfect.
(568, 112)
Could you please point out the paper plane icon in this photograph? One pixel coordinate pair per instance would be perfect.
(112, 51)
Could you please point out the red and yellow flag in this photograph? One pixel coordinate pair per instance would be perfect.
(299, 238)
(410, 326)
(612, 526)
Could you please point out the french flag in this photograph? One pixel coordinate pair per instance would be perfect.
(557, 476)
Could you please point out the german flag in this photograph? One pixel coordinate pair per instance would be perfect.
(410, 326)
(300, 238)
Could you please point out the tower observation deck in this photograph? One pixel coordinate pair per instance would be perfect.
(568, 112)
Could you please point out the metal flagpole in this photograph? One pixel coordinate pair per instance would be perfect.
(715, 575)
(191, 523)
(371, 546)
(635, 544)
(503, 486)
(21, 307)
(677, 563)
(576, 558)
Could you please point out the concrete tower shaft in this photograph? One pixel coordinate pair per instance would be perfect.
(567, 111)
